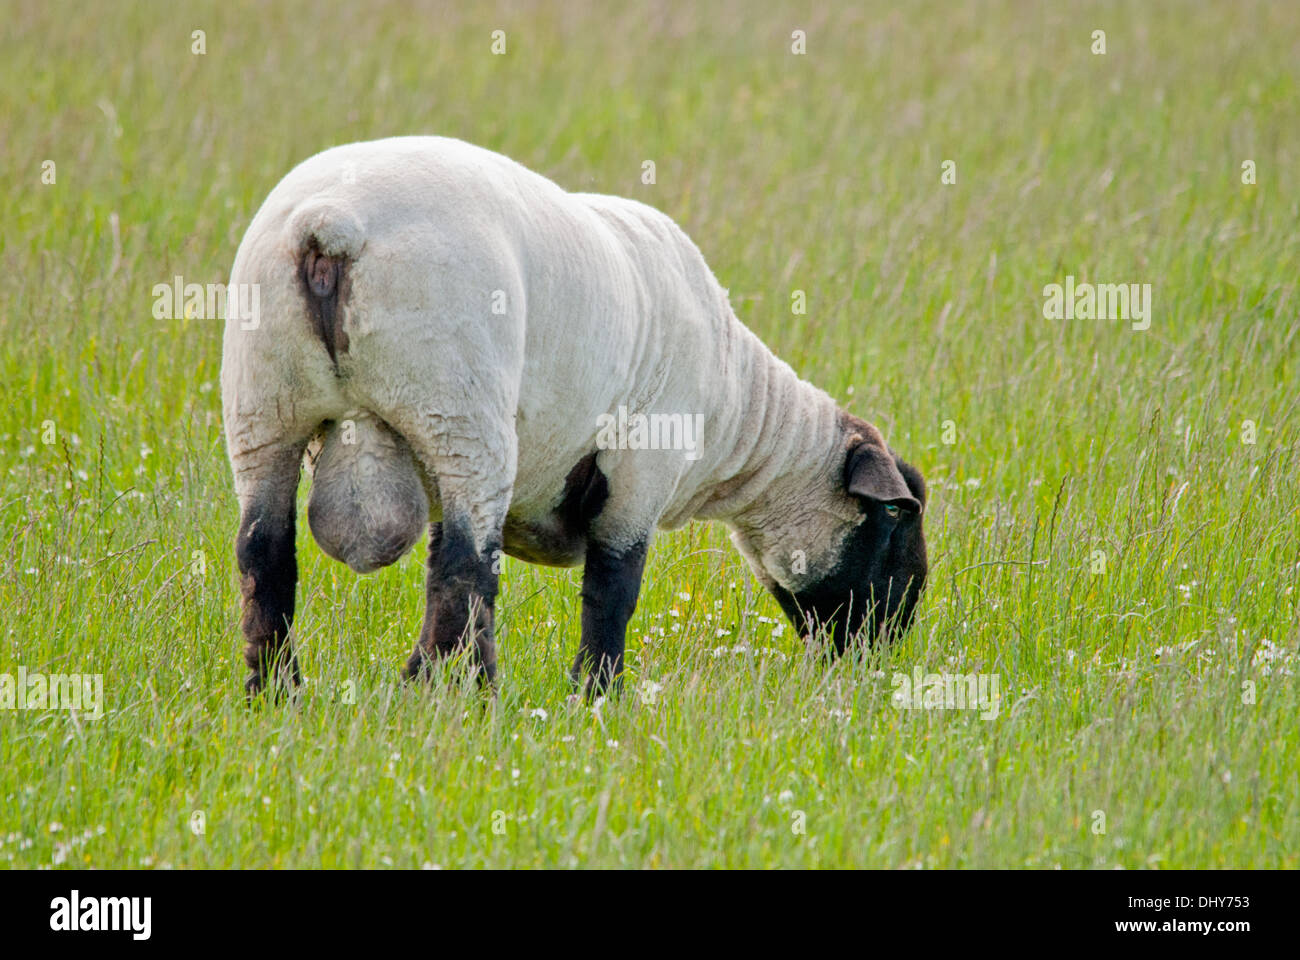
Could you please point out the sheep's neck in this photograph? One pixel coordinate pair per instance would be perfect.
(777, 484)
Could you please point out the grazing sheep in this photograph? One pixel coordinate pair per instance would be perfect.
(458, 340)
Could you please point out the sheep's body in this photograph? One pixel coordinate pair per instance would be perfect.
(493, 322)
(607, 304)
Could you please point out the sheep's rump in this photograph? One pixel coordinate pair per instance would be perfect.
(368, 503)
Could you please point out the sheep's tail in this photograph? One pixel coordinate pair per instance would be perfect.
(327, 238)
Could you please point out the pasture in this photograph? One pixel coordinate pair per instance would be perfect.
(1114, 510)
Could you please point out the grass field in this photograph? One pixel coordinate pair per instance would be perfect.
(1114, 513)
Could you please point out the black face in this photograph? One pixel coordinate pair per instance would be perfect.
(874, 588)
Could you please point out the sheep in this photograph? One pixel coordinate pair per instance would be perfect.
(448, 338)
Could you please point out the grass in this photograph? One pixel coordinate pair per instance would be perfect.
(1103, 539)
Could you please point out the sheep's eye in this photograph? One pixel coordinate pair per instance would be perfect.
(891, 511)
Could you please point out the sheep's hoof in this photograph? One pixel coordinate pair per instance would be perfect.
(593, 688)
(280, 688)
(417, 666)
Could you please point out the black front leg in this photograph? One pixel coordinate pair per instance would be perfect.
(611, 580)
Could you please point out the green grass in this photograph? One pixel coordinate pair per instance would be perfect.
(1160, 692)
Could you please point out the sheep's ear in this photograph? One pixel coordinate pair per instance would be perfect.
(870, 472)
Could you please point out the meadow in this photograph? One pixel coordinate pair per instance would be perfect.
(1114, 512)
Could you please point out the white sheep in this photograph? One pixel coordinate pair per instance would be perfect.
(506, 359)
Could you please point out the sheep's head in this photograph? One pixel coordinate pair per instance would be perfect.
(867, 585)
